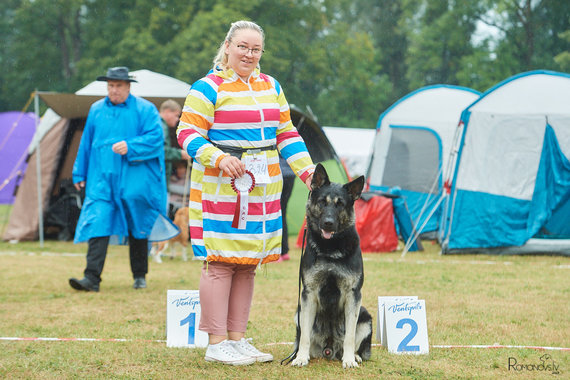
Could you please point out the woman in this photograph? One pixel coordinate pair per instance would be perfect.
(233, 122)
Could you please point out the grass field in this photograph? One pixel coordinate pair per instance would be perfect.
(470, 300)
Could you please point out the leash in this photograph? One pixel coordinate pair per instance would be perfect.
(289, 358)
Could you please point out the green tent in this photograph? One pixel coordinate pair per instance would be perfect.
(321, 151)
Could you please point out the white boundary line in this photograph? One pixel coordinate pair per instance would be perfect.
(43, 253)
(43, 339)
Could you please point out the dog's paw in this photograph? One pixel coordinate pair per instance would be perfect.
(300, 361)
(358, 358)
(349, 362)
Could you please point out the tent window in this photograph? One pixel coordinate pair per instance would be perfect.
(414, 159)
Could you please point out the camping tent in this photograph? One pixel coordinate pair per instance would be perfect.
(353, 146)
(411, 148)
(16, 132)
(510, 184)
(58, 134)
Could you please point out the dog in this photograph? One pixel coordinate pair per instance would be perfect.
(331, 322)
(181, 221)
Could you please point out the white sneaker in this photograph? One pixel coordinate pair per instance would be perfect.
(245, 348)
(224, 352)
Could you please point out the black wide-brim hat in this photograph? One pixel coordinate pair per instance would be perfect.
(117, 73)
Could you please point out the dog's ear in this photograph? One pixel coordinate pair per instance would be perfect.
(355, 187)
(320, 177)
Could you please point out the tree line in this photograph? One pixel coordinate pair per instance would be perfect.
(346, 60)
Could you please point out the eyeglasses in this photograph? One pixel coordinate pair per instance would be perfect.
(256, 52)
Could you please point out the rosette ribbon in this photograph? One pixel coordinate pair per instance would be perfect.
(242, 186)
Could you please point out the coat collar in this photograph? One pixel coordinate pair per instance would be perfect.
(230, 75)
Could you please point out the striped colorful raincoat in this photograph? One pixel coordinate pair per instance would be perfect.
(224, 110)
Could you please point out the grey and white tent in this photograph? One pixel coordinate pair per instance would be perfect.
(510, 178)
(412, 146)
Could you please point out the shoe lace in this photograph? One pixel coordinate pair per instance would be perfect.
(244, 343)
(227, 349)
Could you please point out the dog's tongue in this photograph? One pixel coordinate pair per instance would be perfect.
(326, 234)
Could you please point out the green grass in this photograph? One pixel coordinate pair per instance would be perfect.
(5, 211)
(470, 300)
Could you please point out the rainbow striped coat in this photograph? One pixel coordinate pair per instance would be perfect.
(223, 109)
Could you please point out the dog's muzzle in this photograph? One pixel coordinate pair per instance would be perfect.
(328, 227)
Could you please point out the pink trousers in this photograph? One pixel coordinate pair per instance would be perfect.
(226, 291)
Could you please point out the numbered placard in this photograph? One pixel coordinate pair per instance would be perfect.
(183, 318)
(380, 322)
(406, 326)
(257, 164)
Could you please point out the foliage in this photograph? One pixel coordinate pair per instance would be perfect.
(563, 59)
(439, 40)
(531, 34)
(347, 60)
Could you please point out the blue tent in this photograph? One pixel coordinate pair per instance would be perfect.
(510, 178)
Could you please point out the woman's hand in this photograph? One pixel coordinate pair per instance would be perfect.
(232, 166)
(308, 181)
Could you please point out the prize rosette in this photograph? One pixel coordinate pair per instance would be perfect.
(242, 186)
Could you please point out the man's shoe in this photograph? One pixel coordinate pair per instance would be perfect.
(83, 284)
(140, 283)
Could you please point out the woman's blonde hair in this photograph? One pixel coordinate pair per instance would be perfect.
(221, 58)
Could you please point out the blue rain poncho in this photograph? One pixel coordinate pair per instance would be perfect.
(123, 193)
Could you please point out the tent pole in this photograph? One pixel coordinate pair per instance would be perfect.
(39, 171)
(416, 234)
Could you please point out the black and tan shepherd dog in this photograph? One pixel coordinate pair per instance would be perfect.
(331, 322)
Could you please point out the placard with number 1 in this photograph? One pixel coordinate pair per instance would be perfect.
(182, 319)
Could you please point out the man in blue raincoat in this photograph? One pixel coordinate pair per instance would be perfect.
(120, 163)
